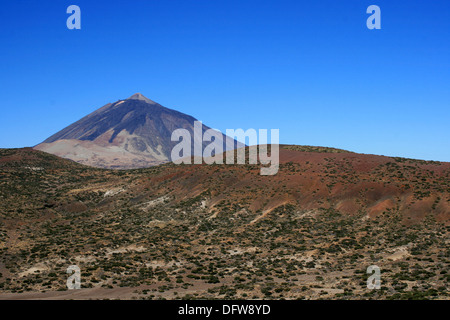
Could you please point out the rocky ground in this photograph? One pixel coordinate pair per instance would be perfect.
(190, 232)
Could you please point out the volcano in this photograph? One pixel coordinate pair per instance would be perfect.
(131, 133)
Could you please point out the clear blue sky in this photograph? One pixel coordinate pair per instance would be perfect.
(309, 68)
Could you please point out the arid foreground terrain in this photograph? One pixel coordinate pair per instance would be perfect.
(225, 231)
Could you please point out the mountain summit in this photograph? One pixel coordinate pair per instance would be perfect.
(139, 96)
(131, 133)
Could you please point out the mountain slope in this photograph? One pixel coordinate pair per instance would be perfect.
(131, 133)
(225, 231)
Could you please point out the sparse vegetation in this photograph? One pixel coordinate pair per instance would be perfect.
(191, 232)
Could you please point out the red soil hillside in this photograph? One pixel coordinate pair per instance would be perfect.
(348, 182)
